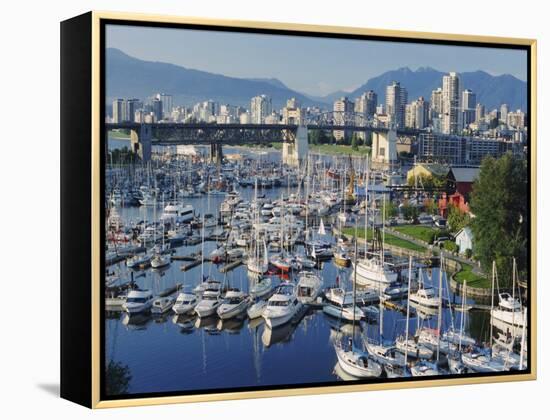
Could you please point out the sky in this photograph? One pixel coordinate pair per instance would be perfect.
(315, 66)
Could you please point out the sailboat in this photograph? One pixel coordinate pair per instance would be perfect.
(481, 360)
(510, 310)
(353, 361)
(393, 370)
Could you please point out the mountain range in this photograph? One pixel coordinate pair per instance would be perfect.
(129, 77)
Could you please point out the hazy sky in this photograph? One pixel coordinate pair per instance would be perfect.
(316, 66)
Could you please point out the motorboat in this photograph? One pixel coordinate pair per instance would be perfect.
(210, 300)
(425, 297)
(342, 259)
(162, 305)
(510, 311)
(340, 305)
(309, 287)
(185, 303)
(234, 303)
(177, 213)
(384, 354)
(138, 260)
(159, 261)
(282, 305)
(280, 263)
(138, 301)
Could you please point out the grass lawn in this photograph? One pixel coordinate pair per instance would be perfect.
(472, 279)
(388, 239)
(339, 149)
(423, 233)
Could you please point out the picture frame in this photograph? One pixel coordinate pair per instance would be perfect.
(85, 128)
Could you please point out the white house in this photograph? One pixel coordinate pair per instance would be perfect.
(464, 240)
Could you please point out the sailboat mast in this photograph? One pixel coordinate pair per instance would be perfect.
(354, 289)
(439, 307)
(492, 305)
(408, 308)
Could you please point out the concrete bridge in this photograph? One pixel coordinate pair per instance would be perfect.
(293, 136)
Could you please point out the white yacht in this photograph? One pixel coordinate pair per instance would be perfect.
(340, 305)
(234, 303)
(138, 260)
(159, 261)
(282, 306)
(162, 304)
(138, 301)
(177, 213)
(509, 310)
(371, 271)
(309, 286)
(185, 303)
(425, 297)
(211, 299)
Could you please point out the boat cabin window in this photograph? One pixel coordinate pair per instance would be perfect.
(136, 300)
(278, 303)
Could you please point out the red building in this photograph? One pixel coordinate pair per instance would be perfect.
(459, 180)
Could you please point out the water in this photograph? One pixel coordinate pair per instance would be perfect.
(170, 353)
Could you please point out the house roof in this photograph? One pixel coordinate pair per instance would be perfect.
(464, 174)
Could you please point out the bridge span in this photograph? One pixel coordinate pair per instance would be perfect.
(293, 136)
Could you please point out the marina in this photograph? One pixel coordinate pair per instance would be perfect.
(243, 273)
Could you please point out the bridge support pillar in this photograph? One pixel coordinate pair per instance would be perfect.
(141, 142)
(216, 153)
(296, 152)
(384, 149)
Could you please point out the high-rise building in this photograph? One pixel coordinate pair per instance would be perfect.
(468, 107)
(451, 104)
(366, 104)
(435, 103)
(260, 107)
(416, 114)
(340, 107)
(132, 105)
(396, 100)
(167, 104)
(504, 113)
(480, 112)
(516, 119)
(157, 109)
(119, 111)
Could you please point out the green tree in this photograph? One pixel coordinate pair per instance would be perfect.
(354, 142)
(390, 210)
(410, 212)
(500, 204)
(456, 219)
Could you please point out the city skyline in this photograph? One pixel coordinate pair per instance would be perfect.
(277, 56)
